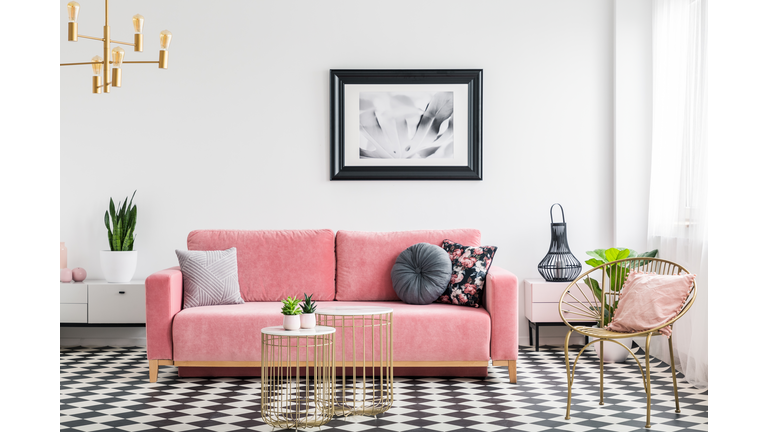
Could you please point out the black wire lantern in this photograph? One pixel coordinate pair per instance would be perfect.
(559, 265)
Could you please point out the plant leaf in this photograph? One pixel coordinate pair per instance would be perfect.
(119, 235)
(611, 254)
(370, 127)
(651, 254)
(595, 286)
(439, 109)
(624, 253)
(112, 212)
(594, 263)
(597, 255)
(127, 241)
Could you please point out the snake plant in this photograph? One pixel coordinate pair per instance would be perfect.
(122, 233)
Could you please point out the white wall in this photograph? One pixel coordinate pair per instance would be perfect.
(633, 98)
(235, 134)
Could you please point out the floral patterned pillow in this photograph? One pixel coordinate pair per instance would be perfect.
(470, 265)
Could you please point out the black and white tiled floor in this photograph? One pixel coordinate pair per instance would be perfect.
(107, 389)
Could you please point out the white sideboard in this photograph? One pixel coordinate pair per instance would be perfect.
(98, 302)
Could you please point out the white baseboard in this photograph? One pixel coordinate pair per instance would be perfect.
(102, 336)
(90, 342)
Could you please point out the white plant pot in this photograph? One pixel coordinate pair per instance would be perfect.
(119, 266)
(308, 320)
(291, 322)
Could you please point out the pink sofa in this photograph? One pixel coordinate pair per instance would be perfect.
(346, 268)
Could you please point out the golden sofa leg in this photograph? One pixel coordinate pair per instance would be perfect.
(153, 367)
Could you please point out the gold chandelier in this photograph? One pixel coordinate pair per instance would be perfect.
(101, 66)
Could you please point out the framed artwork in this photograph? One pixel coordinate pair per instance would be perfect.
(422, 124)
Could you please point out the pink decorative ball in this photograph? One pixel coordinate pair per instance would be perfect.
(78, 274)
(66, 275)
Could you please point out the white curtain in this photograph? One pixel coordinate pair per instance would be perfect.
(677, 218)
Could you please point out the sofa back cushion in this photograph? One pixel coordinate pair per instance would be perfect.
(364, 260)
(272, 265)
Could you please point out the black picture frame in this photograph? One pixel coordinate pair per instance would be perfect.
(472, 78)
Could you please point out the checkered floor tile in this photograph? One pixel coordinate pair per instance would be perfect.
(107, 389)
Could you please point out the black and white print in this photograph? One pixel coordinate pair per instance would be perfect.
(107, 389)
(406, 125)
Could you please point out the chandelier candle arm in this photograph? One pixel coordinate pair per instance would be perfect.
(90, 37)
(122, 43)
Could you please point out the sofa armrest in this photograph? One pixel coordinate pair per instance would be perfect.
(164, 300)
(501, 304)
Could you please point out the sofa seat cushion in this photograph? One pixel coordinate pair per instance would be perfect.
(273, 265)
(433, 332)
(364, 260)
(223, 333)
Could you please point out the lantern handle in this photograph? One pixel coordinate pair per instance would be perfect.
(561, 212)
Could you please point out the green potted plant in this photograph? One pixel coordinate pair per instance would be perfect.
(291, 313)
(308, 312)
(617, 274)
(119, 262)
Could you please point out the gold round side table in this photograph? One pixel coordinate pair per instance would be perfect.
(287, 356)
(366, 349)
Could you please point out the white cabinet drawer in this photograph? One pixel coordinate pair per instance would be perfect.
(549, 312)
(116, 303)
(76, 292)
(73, 313)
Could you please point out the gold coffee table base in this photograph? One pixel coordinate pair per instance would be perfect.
(369, 329)
(297, 377)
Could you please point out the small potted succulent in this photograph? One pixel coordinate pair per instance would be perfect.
(308, 312)
(291, 313)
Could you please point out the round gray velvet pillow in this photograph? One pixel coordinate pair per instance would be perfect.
(421, 273)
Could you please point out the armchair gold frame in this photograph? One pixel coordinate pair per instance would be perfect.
(577, 307)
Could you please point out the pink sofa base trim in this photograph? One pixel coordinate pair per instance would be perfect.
(191, 372)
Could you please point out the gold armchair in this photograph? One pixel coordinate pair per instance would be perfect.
(587, 297)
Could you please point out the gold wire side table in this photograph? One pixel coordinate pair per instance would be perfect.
(287, 401)
(365, 350)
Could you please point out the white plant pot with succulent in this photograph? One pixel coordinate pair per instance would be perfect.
(308, 307)
(291, 314)
(613, 352)
(119, 262)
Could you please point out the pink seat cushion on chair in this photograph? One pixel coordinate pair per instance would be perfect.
(364, 260)
(273, 265)
(649, 300)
